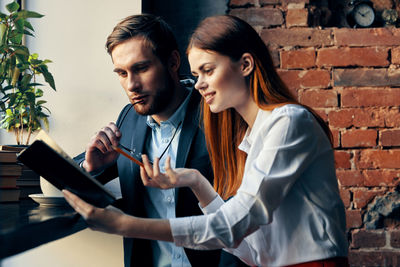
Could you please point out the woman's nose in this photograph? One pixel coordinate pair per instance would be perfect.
(200, 84)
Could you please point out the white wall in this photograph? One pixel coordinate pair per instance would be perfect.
(72, 34)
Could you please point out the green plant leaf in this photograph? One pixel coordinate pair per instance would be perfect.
(19, 24)
(30, 14)
(3, 29)
(48, 77)
(12, 7)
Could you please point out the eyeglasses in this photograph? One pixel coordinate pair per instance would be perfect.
(137, 156)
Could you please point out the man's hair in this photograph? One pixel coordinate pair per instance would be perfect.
(154, 31)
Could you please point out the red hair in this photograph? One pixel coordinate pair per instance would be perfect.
(232, 37)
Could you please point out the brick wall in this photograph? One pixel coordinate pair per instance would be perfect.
(351, 77)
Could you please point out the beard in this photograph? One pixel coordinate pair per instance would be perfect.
(160, 100)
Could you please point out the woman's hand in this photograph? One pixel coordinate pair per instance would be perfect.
(153, 177)
(114, 221)
(108, 220)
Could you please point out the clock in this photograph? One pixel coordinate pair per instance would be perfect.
(363, 14)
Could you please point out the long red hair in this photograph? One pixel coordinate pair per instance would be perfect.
(232, 37)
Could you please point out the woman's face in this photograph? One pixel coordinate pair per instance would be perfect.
(220, 80)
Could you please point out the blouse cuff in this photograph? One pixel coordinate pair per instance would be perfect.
(213, 206)
(180, 229)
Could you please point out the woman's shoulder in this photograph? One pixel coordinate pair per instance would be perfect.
(294, 112)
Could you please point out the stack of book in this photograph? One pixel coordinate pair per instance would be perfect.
(10, 171)
(16, 180)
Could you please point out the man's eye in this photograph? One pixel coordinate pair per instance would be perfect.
(141, 68)
(121, 74)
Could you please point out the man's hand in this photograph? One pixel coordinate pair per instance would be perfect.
(99, 151)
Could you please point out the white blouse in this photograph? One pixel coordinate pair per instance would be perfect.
(287, 209)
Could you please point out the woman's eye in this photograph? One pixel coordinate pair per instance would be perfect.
(208, 71)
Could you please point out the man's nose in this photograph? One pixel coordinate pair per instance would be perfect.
(133, 83)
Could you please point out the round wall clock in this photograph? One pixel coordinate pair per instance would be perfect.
(363, 14)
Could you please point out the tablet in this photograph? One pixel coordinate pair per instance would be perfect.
(45, 158)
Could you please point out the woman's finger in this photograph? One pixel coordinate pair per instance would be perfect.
(156, 167)
(145, 178)
(147, 166)
(82, 207)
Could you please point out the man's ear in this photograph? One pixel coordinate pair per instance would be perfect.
(247, 64)
(174, 61)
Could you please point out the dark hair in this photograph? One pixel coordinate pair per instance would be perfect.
(154, 30)
(230, 36)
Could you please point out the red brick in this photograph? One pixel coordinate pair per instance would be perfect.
(322, 113)
(353, 219)
(269, 2)
(396, 55)
(342, 159)
(297, 59)
(367, 37)
(318, 98)
(343, 57)
(350, 178)
(345, 196)
(359, 138)
(392, 118)
(368, 239)
(274, 52)
(362, 196)
(370, 97)
(375, 178)
(296, 79)
(390, 137)
(259, 16)
(369, 117)
(286, 2)
(395, 238)
(336, 138)
(366, 77)
(379, 159)
(379, 258)
(242, 2)
(342, 118)
(297, 37)
(297, 17)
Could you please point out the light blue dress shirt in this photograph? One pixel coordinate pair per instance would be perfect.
(161, 203)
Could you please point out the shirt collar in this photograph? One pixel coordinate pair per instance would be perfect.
(179, 114)
(251, 132)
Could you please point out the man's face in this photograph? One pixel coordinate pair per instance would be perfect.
(143, 76)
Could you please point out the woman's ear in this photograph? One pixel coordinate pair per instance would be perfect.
(174, 61)
(247, 64)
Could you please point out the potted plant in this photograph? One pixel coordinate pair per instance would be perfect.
(21, 103)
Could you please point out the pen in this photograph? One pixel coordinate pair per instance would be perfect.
(119, 150)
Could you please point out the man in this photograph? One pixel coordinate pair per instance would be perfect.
(161, 120)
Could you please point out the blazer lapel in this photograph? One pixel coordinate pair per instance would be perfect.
(189, 128)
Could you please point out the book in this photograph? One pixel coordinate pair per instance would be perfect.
(11, 148)
(48, 160)
(8, 181)
(9, 194)
(8, 156)
(10, 169)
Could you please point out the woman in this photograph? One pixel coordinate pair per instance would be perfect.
(272, 160)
